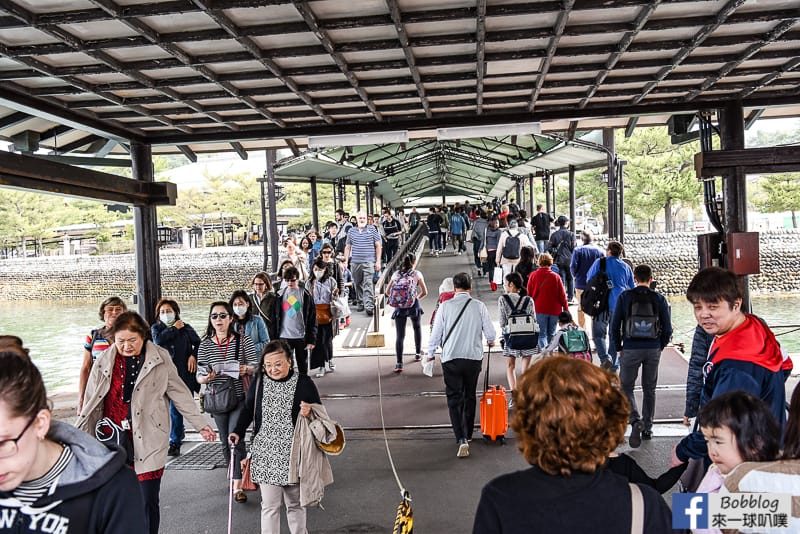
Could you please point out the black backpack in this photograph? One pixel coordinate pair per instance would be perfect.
(594, 299)
(642, 321)
(511, 248)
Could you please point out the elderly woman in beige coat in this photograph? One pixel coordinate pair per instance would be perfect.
(127, 401)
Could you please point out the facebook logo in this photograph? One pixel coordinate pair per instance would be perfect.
(689, 510)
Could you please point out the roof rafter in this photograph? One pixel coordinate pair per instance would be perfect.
(311, 20)
(707, 29)
(255, 51)
(558, 32)
(397, 20)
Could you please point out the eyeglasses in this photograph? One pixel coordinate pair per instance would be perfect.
(10, 447)
(328, 252)
(290, 280)
(259, 284)
(276, 365)
(219, 316)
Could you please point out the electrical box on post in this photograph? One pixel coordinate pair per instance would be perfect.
(709, 250)
(743, 254)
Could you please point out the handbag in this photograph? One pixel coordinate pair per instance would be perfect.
(483, 254)
(324, 315)
(340, 307)
(247, 478)
(221, 398)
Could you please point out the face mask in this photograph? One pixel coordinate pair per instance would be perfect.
(240, 310)
(318, 274)
(167, 318)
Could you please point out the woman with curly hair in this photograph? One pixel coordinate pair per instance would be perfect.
(569, 416)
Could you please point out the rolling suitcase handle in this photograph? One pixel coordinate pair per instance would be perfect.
(486, 376)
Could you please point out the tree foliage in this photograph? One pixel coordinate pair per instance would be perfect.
(777, 193)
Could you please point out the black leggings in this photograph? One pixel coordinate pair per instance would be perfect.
(298, 346)
(400, 328)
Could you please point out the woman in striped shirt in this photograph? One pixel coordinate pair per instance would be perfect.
(222, 344)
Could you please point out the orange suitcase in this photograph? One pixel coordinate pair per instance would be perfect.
(494, 409)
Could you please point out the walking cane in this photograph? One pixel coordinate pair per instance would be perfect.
(230, 490)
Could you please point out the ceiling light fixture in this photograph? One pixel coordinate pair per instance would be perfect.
(371, 138)
(493, 130)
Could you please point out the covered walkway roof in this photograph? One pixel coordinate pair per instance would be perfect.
(425, 171)
(91, 76)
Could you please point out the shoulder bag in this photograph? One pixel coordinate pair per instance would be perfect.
(221, 398)
(458, 318)
(483, 254)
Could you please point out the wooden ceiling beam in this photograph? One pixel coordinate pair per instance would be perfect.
(239, 149)
(752, 117)
(221, 18)
(629, 128)
(188, 152)
(789, 66)
(622, 47)
(402, 36)
(749, 160)
(330, 47)
(703, 34)
(768, 38)
(13, 119)
(558, 30)
(28, 172)
(78, 143)
(480, 52)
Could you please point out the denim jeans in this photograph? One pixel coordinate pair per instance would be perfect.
(547, 328)
(435, 241)
(629, 362)
(541, 245)
(176, 426)
(599, 331)
(567, 280)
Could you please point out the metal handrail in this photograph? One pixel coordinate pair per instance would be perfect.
(411, 244)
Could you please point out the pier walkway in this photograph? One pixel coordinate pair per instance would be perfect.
(364, 496)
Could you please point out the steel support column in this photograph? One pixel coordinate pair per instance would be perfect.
(314, 206)
(546, 188)
(608, 142)
(532, 196)
(148, 265)
(621, 187)
(273, 211)
(572, 198)
(734, 183)
(264, 242)
(358, 197)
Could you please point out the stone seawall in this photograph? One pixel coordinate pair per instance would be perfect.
(216, 272)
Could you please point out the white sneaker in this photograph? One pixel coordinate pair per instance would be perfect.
(321, 372)
(331, 366)
(463, 450)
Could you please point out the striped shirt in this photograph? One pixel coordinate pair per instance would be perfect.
(209, 353)
(362, 243)
(96, 343)
(31, 491)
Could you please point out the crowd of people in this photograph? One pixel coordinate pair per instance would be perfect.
(255, 358)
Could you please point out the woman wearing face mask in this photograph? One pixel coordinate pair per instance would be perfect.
(246, 321)
(323, 289)
(127, 395)
(181, 340)
(220, 344)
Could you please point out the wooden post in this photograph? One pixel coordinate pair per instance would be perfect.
(148, 265)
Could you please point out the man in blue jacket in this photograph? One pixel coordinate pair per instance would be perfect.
(582, 260)
(621, 279)
(640, 329)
